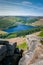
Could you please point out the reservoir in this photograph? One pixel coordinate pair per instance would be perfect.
(19, 27)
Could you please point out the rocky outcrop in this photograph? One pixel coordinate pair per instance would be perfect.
(38, 63)
(34, 55)
(3, 50)
(9, 54)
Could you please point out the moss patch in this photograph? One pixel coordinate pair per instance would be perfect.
(41, 34)
(23, 46)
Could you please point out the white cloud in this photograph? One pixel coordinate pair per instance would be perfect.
(19, 8)
(26, 2)
(23, 3)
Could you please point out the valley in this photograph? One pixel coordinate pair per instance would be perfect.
(17, 26)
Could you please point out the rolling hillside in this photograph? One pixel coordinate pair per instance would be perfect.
(38, 23)
(6, 22)
(10, 21)
(41, 34)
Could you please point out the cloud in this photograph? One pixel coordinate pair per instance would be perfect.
(17, 3)
(24, 7)
(21, 4)
(26, 2)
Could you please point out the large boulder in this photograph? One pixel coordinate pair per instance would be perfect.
(3, 51)
(38, 63)
(10, 47)
(35, 50)
(32, 42)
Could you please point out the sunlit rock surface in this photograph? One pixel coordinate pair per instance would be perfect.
(35, 51)
(38, 63)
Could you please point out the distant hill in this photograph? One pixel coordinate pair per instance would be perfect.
(7, 22)
(38, 23)
(11, 21)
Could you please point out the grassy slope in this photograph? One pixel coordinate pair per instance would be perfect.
(38, 23)
(7, 22)
(41, 34)
(10, 21)
(13, 35)
(2, 32)
(23, 45)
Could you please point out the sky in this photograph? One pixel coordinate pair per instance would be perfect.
(21, 7)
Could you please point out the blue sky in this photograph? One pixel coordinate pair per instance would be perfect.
(21, 7)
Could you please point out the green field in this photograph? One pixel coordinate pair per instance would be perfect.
(5, 24)
(23, 46)
(41, 34)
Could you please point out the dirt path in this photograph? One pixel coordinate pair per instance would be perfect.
(19, 40)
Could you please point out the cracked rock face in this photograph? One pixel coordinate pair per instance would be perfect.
(34, 55)
(38, 63)
(33, 58)
(24, 60)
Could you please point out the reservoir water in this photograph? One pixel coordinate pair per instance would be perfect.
(19, 28)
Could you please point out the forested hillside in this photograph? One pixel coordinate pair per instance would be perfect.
(10, 21)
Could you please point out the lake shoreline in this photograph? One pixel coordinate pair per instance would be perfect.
(19, 27)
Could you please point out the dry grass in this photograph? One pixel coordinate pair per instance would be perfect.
(38, 23)
(36, 33)
(19, 40)
(2, 32)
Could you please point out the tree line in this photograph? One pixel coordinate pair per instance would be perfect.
(21, 33)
